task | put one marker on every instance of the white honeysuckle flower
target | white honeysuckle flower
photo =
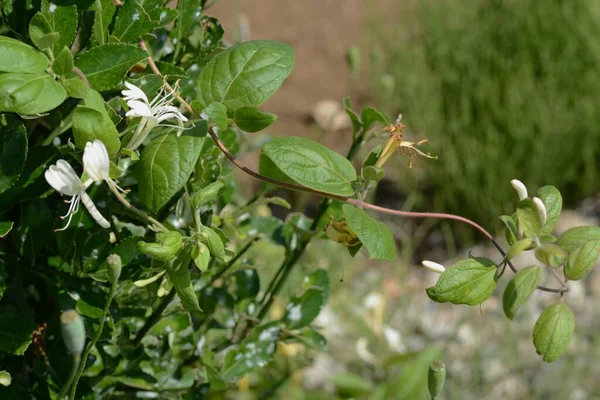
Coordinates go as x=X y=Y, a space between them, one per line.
x=97 y=163
x=541 y=209
x=520 y=188
x=64 y=179
x=152 y=113
x=394 y=339
x=433 y=266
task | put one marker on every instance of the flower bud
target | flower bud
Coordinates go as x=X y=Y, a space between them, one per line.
x=433 y=266
x=114 y=268
x=541 y=209
x=73 y=331
x=436 y=378
x=168 y=246
x=520 y=188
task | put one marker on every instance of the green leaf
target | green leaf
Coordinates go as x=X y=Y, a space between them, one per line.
x=30 y=93
x=311 y=338
x=5 y=228
x=214 y=243
x=301 y=311
x=371 y=116
x=373 y=234
x=246 y=74
x=15 y=331
x=356 y=124
x=63 y=63
x=528 y=218
x=247 y=284
x=351 y=385
x=39 y=28
x=16 y=56
x=520 y=288
x=582 y=245
x=553 y=331
x=469 y=281
x=179 y=275
x=373 y=173
x=13 y=151
x=105 y=66
x=104 y=11
x=251 y=119
x=63 y=20
x=310 y=164
x=217 y=114
x=189 y=14
x=162 y=16
x=47 y=41
x=168 y=246
x=201 y=256
x=511 y=232
x=166 y=165
x=31 y=183
x=552 y=199
x=551 y=255
x=519 y=247
x=206 y=194
x=76 y=88
x=90 y=124
x=254 y=352
x=132 y=22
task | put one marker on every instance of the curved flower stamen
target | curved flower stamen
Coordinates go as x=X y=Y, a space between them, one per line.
x=152 y=113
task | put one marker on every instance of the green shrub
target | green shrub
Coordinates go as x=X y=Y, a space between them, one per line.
x=513 y=84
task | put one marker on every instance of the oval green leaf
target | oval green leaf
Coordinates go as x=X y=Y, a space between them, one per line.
x=251 y=119
x=553 y=331
x=30 y=93
x=373 y=234
x=528 y=218
x=16 y=56
x=13 y=151
x=582 y=245
x=166 y=165
x=520 y=287
x=469 y=281
x=246 y=74
x=105 y=66
x=179 y=275
x=552 y=199
x=90 y=124
x=309 y=164
x=551 y=255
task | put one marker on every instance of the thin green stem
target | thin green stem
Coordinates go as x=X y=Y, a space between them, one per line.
x=136 y=210
x=64 y=126
x=94 y=340
x=154 y=317
x=67 y=385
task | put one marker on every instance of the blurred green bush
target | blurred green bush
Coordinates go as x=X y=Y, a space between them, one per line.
x=502 y=88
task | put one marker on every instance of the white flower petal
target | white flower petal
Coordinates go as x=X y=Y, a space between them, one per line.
x=63 y=179
x=95 y=160
x=138 y=109
x=134 y=92
x=541 y=209
x=433 y=266
x=520 y=188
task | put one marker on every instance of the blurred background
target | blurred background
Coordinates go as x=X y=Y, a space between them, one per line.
x=502 y=89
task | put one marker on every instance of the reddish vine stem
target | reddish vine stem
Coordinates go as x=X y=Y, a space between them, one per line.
x=358 y=203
